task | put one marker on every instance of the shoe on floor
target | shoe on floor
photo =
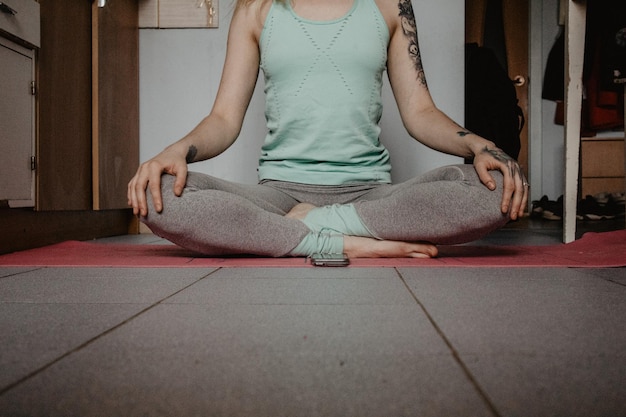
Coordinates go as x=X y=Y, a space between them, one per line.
x=553 y=210
x=591 y=209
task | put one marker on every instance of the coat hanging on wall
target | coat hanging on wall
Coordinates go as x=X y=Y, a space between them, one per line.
x=605 y=61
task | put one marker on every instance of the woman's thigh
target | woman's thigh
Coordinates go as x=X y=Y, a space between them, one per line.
x=445 y=206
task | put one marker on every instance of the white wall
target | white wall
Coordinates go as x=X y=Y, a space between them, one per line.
x=552 y=135
x=180 y=71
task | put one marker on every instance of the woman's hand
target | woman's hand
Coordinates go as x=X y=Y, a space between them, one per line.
x=148 y=176
x=515 y=187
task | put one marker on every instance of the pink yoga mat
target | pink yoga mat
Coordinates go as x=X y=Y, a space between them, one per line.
x=592 y=250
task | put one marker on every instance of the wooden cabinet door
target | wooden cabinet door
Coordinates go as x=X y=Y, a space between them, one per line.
x=17 y=125
x=88 y=104
x=115 y=101
x=64 y=144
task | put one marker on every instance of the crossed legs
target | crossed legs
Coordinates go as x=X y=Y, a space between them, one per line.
x=445 y=206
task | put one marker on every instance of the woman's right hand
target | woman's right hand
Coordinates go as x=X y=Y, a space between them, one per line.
x=148 y=177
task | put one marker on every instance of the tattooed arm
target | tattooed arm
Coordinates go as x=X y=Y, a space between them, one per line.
x=422 y=119
x=427 y=124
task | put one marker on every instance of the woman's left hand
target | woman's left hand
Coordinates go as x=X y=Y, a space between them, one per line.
x=515 y=186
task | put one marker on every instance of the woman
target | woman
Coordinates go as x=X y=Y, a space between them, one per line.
x=324 y=177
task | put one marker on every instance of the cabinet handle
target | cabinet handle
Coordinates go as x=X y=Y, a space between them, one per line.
x=5 y=8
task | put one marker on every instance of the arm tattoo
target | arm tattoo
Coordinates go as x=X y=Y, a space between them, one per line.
x=463 y=133
x=191 y=154
x=407 y=18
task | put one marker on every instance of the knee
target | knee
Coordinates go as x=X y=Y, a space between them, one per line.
x=488 y=201
x=167 y=188
x=156 y=220
x=193 y=183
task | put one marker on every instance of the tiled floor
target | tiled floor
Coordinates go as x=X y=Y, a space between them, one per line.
x=314 y=342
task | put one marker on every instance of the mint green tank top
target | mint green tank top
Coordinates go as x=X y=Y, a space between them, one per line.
x=323 y=84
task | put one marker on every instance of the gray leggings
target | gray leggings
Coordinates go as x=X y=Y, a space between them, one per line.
x=448 y=205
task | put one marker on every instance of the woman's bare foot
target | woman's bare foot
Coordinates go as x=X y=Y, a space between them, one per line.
x=365 y=247
x=299 y=211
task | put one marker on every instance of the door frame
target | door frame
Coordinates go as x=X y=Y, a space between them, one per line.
x=533 y=102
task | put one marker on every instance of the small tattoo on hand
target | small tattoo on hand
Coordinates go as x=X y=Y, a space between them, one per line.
x=191 y=154
x=463 y=133
x=500 y=155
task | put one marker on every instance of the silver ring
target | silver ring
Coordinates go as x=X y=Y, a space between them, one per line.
x=525 y=184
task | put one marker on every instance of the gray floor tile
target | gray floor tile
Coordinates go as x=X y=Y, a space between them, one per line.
x=260 y=360
x=298 y=286
x=616 y=275
x=97 y=285
x=314 y=341
x=553 y=384
x=309 y=273
x=553 y=339
x=33 y=335
x=9 y=271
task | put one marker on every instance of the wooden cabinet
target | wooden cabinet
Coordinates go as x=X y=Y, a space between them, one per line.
x=64 y=145
x=115 y=101
x=19 y=38
x=602 y=165
x=17 y=124
x=88 y=104
x=88 y=125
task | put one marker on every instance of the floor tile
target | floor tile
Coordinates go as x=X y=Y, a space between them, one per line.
x=8 y=271
x=552 y=339
x=97 y=285
x=314 y=341
x=310 y=273
x=615 y=275
x=46 y=312
x=553 y=384
x=298 y=286
x=261 y=360
x=33 y=335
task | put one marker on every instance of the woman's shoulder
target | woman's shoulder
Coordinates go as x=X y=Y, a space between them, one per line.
x=250 y=16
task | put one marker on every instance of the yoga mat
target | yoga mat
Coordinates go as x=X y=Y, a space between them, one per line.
x=592 y=250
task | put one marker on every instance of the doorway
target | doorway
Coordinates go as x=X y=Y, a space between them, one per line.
x=515 y=20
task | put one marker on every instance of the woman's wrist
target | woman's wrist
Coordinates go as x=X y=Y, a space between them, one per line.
x=479 y=144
